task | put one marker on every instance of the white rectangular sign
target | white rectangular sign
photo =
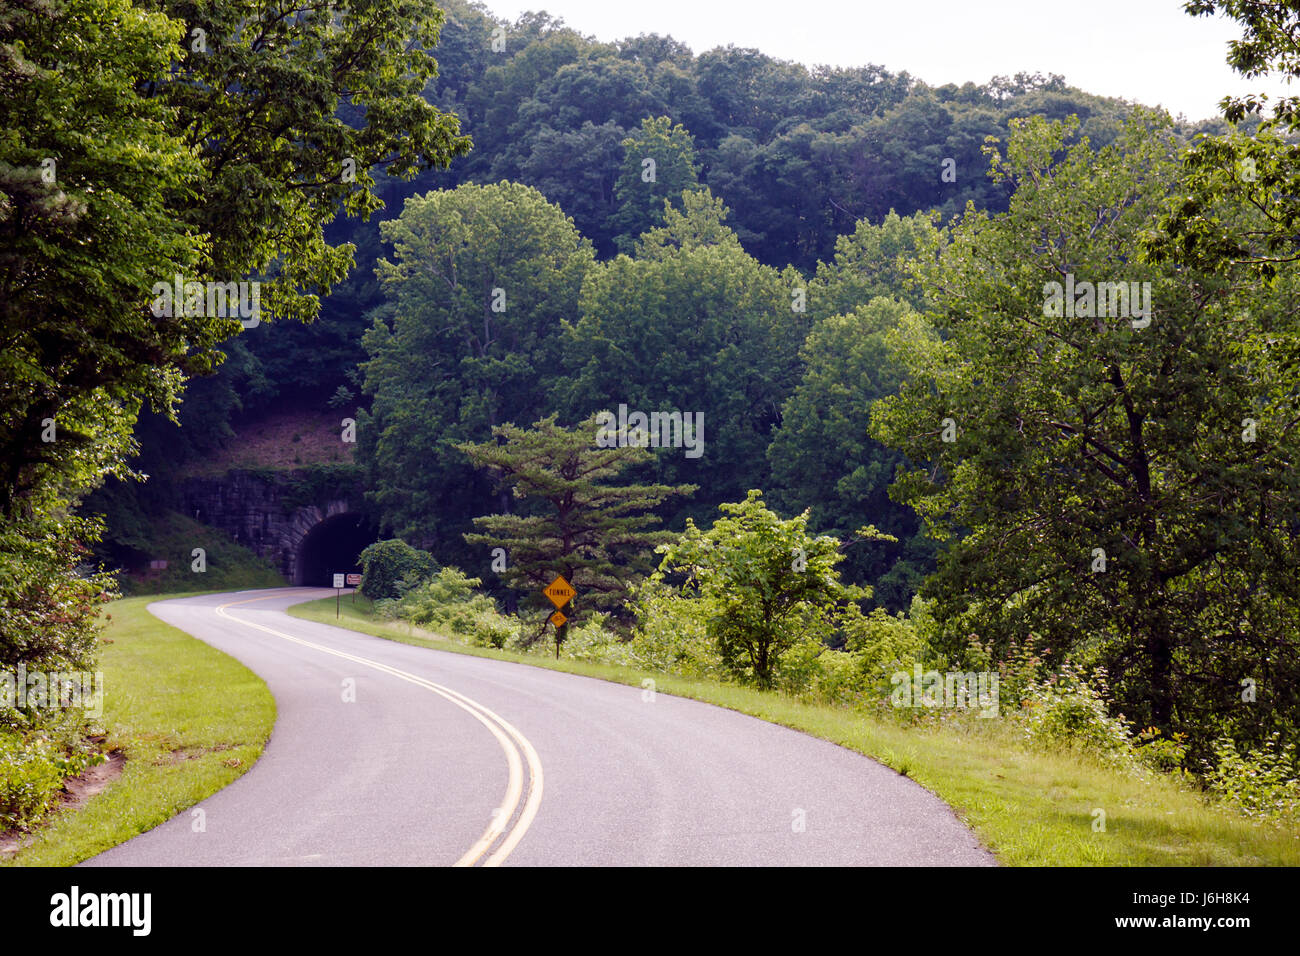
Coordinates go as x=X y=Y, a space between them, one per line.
x=338 y=581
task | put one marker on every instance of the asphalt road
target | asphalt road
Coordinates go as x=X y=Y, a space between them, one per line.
x=441 y=759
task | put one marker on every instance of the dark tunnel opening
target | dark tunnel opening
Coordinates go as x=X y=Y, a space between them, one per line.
x=331 y=546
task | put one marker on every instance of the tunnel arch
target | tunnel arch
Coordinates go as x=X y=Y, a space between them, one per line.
x=331 y=544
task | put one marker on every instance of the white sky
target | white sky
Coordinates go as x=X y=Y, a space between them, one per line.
x=1144 y=50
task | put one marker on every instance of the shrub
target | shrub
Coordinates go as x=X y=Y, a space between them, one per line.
x=30 y=779
x=1164 y=754
x=1067 y=712
x=770 y=583
x=48 y=601
x=490 y=628
x=593 y=640
x=1260 y=783
x=671 y=633
x=450 y=603
x=390 y=568
x=445 y=597
x=801 y=666
x=883 y=644
x=839 y=678
x=820 y=673
x=1022 y=670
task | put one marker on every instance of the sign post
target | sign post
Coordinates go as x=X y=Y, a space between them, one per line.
x=338 y=594
x=354 y=581
x=560 y=592
x=156 y=568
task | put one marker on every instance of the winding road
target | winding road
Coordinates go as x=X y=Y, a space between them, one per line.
x=389 y=754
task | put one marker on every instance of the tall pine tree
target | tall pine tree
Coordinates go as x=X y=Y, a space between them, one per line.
x=573 y=522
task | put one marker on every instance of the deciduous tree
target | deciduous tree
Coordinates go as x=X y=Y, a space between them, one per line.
x=770 y=583
x=481 y=279
x=1122 y=479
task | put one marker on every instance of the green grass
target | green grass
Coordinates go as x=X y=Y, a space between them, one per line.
x=229 y=565
x=1029 y=807
x=189 y=719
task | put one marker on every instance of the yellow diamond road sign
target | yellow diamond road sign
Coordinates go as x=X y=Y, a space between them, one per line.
x=558 y=618
x=559 y=591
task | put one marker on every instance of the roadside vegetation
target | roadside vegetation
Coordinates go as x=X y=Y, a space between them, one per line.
x=182 y=719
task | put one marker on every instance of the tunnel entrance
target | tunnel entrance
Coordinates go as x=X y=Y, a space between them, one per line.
x=333 y=545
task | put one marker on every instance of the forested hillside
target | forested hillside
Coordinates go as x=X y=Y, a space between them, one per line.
x=809 y=169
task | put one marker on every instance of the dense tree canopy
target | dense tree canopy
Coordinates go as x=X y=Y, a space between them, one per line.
x=1118 y=466
x=799 y=155
x=692 y=324
x=147 y=143
x=823 y=460
x=211 y=162
x=469 y=338
x=658 y=166
x=86 y=227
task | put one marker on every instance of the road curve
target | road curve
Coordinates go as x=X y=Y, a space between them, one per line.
x=390 y=754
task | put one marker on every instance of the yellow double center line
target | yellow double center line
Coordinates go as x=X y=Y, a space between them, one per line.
x=512 y=742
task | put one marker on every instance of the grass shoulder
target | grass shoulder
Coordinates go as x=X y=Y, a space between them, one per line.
x=188 y=718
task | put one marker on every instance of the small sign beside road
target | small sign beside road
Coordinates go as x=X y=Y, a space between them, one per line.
x=156 y=568
x=354 y=580
x=559 y=591
x=338 y=591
